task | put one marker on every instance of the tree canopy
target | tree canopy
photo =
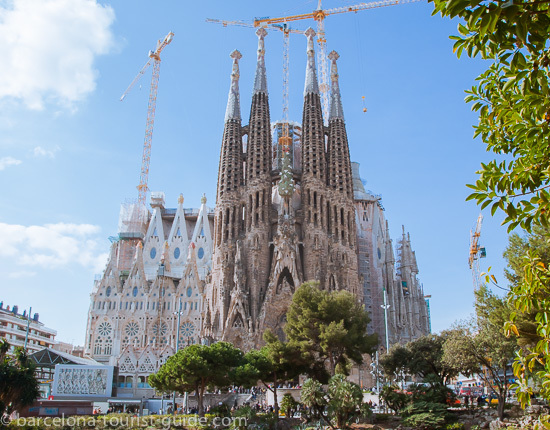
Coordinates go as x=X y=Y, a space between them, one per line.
x=329 y=326
x=18 y=384
x=422 y=357
x=196 y=367
x=481 y=347
x=342 y=402
x=275 y=362
x=511 y=97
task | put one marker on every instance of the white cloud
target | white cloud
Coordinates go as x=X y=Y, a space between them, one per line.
x=53 y=245
x=21 y=274
x=41 y=152
x=8 y=161
x=49 y=47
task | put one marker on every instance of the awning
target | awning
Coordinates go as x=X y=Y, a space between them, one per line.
x=123 y=401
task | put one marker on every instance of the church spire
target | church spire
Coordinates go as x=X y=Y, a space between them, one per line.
x=311 y=86
x=260 y=80
x=233 y=110
x=336 y=110
x=340 y=175
x=230 y=174
x=313 y=132
x=258 y=155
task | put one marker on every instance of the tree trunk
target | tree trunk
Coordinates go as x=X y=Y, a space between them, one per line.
x=275 y=402
x=332 y=364
x=502 y=395
x=200 y=392
x=500 y=408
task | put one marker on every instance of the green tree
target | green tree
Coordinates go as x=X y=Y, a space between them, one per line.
x=18 y=385
x=288 y=405
x=275 y=362
x=331 y=327
x=530 y=296
x=511 y=97
x=481 y=347
x=197 y=367
x=537 y=241
x=314 y=397
x=395 y=362
x=394 y=397
x=514 y=117
x=342 y=402
x=519 y=247
x=427 y=359
x=422 y=357
x=528 y=260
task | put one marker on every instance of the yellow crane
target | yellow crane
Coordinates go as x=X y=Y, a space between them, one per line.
x=319 y=15
x=154 y=58
x=285 y=139
x=476 y=252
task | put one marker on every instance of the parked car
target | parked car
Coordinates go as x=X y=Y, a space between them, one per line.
x=491 y=398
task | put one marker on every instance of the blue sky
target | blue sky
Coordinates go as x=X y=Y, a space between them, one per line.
x=70 y=151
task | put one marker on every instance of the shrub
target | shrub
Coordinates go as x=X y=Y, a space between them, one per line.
x=455 y=426
x=288 y=405
x=425 y=415
x=394 y=398
x=220 y=410
x=380 y=418
x=424 y=421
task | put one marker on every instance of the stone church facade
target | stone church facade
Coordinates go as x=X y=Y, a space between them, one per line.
x=291 y=207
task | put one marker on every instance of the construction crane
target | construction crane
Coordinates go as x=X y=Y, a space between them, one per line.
x=476 y=252
x=154 y=58
x=319 y=15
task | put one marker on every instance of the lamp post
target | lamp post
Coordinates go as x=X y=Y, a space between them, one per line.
x=28 y=327
x=179 y=312
x=161 y=275
x=385 y=306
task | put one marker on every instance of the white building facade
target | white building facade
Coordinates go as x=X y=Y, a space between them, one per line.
x=15 y=327
x=135 y=309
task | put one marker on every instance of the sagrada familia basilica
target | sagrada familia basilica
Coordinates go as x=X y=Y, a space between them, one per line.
x=284 y=214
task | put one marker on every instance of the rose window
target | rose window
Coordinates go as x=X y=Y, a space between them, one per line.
x=160 y=330
x=187 y=329
x=104 y=329
x=132 y=329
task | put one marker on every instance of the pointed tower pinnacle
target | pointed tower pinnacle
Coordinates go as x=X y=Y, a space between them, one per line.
x=336 y=110
x=233 y=110
x=260 y=80
x=312 y=86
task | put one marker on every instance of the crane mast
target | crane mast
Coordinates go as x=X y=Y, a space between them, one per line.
x=154 y=58
x=476 y=252
x=285 y=140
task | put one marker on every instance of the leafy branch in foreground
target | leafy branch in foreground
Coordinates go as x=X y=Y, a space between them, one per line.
x=512 y=99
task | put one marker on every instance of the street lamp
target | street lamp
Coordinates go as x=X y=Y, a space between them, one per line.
x=28 y=327
x=179 y=313
x=385 y=306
